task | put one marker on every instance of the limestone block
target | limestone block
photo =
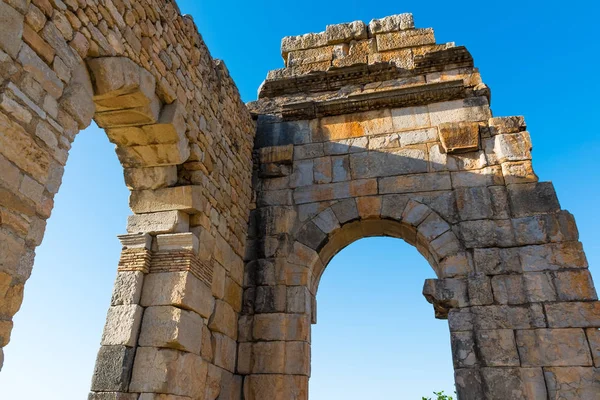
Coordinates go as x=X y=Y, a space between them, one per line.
x=270 y=299
x=355 y=53
x=518 y=172
x=168 y=371
x=150 y=178
x=224 y=351
x=445 y=294
x=463 y=349
x=115 y=76
x=298 y=300
x=470 y=109
x=539 y=287
x=487 y=233
x=347 y=32
x=77 y=98
x=372 y=164
x=574 y=285
x=345 y=210
x=224 y=319
x=432 y=227
x=573 y=314
x=469 y=384
x=532 y=198
x=406 y=38
x=307 y=41
x=497 y=348
x=186 y=241
x=410 y=118
x=184 y=198
x=113 y=369
x=276 y=154
x=297 y=358
x=213 y=382
x=513 y=147
x=488 y=176
x=159 y=222
x=179 y=289
x=275 y=387
x=154 y=155
x=572 y=383
x=508 y=289
x=553 y=347
x=508 y=317
x=480 y=290
x=458 y=137
x=310 y=56
x=40 y=71
x=446 y=245
x=291 y=327
x=502 y=125
x=127 y=288
x=369 y=207
x=303 y=173
x=415 y=183
x=142 y=115
x=11 y=29
x=326 y=221
x=514 y=383
x=392 y=23
x=474 y=203
x=593 y=336
x=171 y=327
x=122 y=325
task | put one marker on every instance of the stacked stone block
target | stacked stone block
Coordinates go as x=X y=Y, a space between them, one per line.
x=142 y=71
x=369 y=130
x=374 y=130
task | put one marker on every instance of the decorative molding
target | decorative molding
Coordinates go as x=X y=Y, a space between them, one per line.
x=361 y=74
x=395 y=98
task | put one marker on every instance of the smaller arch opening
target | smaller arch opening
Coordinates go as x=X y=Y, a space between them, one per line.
x=376 y=336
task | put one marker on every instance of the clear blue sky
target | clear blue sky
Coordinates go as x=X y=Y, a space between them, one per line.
x=540 y=60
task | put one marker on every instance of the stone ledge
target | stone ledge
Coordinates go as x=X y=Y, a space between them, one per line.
x=395 y=98
x=359 y=74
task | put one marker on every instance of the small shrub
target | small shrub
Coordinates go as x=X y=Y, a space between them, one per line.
x=439 y=396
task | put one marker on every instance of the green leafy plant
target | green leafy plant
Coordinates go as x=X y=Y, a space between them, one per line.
x=439 y=396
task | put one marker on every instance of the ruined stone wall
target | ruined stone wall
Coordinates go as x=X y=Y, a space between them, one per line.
x=376 y=130
x=184 y=138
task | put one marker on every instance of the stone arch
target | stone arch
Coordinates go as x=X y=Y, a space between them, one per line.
x=143 y=73
x=416 y=223
x=379 y=130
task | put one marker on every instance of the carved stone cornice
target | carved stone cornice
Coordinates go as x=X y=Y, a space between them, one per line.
x=394 y=98
x=362 y=74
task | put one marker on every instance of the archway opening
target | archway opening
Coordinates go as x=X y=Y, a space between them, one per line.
x=57 y=331
x=376 y=335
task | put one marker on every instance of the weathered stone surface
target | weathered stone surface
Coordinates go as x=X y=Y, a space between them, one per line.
x=459 y=137
x=11 y=29
x=159 y=222
x=497 y=348
x=171 y=327
x=402 y=39
x=573 y=314
x=572 y=383
x=340 y=33
x=184 y=198
x=113 y=369
x=127 y=288
x=514 y=383
x=179 y=289
x=392 y=23
x=553 y=347
x=168 y=371
x=122 y=325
